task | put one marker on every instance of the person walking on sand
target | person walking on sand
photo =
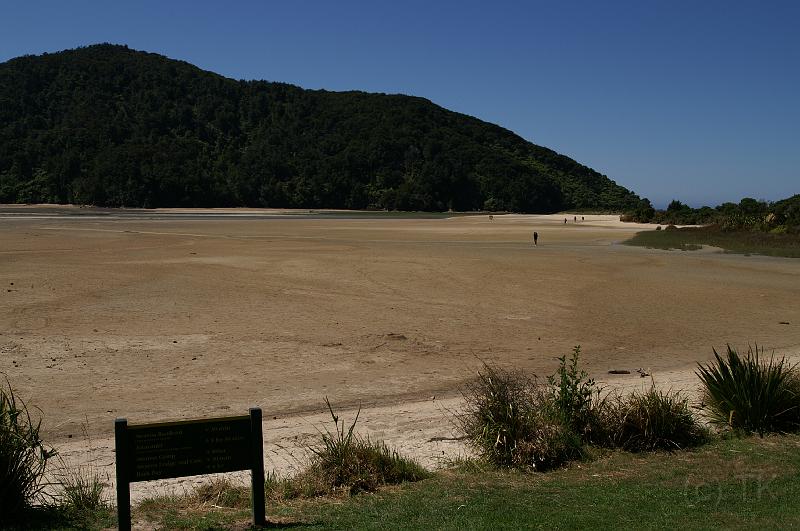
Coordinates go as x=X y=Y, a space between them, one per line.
x=565 y=221
x=535 y=238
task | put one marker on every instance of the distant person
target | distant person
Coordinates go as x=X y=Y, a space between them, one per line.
x=535 y=238
x=491 y=217
x=565 y=221
x=583 y=218
x=575 y=219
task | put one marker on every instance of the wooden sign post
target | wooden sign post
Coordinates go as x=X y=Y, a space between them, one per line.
x=147 y=452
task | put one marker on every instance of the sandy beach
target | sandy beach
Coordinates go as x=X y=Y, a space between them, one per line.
x=158 y=315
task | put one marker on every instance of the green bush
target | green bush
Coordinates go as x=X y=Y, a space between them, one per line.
x=23 y=457
x=345 y=461
x=576 y=398
x=749 y=395
x=511 y=421
x=651 y=420
x=551 y=444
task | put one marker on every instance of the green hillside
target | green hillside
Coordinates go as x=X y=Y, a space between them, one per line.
x=110 y=126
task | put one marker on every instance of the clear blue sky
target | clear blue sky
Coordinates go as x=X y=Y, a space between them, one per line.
x=694 y=100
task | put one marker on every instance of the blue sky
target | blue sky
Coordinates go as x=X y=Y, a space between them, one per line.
x=690 y=100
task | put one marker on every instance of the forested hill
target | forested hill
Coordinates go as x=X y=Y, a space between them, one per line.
x=111 y=126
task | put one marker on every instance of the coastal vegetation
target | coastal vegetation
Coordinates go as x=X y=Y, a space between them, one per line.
x=740 y=242
x=779 y=217
x=749 y=227
x=603 y=451
x=344 y=462
x=110 y=126
x=512 y=420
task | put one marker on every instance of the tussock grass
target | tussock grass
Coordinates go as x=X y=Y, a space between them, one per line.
x=222 y=493
x=83 y=489
x=345 y=461
x=652 y=420
x=749 y=394
x=23 y=457
x=499 y=412
x=512 y=421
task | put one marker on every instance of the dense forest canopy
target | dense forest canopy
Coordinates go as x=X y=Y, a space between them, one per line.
x=749 y=214
x=111 y=126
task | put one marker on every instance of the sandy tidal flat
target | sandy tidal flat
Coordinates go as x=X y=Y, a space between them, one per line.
x=166 y=315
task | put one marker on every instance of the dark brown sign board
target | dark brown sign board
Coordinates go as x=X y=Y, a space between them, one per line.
x=146 y=452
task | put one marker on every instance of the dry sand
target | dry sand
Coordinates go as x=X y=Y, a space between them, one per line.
x=174 y=314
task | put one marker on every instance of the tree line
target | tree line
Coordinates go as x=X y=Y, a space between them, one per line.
x=749 y=214
x=110 y=126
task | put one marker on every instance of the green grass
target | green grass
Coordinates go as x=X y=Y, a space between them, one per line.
x=739 y=242
x=733 y=483
x=54 y=516
x=214 y=505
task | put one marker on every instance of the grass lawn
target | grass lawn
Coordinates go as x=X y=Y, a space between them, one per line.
x=737 y=483
x=744 y=242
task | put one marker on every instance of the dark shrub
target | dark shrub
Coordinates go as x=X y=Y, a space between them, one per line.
x=551 y=444
x=23 y=457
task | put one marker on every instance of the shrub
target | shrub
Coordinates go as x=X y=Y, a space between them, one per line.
x=346 y=461
x=511 y=421
x=499 y=412
x=83 y=489
x=576 y=398
x=23 y=457
x=652 y=420
x=551 y=444
x=749 y=395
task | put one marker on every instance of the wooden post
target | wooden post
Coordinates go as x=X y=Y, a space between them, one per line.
x=123 y=481
x=257 y=456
